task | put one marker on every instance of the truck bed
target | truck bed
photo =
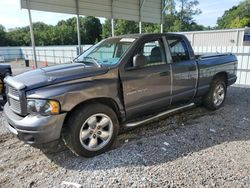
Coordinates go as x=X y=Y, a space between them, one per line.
x=211 y=55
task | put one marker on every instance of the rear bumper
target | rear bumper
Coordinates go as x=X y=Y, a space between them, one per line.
x=34 y=129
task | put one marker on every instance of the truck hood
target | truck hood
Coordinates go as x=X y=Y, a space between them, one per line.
x=54 y=74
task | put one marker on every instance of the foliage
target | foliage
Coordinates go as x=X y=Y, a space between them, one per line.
x=128 y=27
x=236 y=17
x=64 y=33
x=151 y=28
x=92 y=30
x=180 y=14
x=106 y=29
x=2 y=36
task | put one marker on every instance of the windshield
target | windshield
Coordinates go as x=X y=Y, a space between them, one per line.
x=107 y=52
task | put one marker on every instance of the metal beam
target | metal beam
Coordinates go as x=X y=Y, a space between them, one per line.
x=113 y=27
x=140 y=27
x=162 y=15
x=32 y=35
x=112 y=19
x=140 y=22
x=78 y=27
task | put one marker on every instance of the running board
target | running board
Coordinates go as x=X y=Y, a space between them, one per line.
x=134 y=124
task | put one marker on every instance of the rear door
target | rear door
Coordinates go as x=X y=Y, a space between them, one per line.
x=147 y=89
x=184 y=70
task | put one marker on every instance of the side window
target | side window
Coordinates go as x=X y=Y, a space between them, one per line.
x=178 y=49
x=154 y=52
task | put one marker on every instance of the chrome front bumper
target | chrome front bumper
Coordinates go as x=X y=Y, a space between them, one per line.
x=34 y=129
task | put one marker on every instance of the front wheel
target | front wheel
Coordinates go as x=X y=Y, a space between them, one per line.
x=91 y=130
x=217 y=94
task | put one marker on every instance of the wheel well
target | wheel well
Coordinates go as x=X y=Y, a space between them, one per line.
x=223 y=76
x=106 y=101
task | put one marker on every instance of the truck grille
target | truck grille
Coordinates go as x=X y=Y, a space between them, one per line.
x=13 y=91
x=15 y=105
x=16 y=99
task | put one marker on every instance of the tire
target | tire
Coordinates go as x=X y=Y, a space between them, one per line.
x=216 y=95
x=91 y=130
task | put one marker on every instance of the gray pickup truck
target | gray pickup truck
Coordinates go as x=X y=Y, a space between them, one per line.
x=120 y=82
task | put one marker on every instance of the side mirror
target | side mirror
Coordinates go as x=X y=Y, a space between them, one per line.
x=139 y=60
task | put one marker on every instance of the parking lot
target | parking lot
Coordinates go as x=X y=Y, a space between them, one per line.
x=196 y=148
x=19 y=66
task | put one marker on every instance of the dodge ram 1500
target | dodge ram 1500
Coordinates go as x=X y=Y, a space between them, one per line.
x=121 y=81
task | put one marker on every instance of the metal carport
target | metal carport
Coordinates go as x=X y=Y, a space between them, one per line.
x=136 y=10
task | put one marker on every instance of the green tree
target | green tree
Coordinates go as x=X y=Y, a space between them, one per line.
x=121 y=27
x=19 y=37
x=187 y=11
x=180 y=16
x=126 y=27
x=42 y=37
x=239 y=23
x=106 y=29
x=64 y=33
x=151 y=28
x=236 y=17
x=3 y=37
x=91 y=28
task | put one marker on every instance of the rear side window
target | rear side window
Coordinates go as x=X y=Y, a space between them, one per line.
x=178 y=49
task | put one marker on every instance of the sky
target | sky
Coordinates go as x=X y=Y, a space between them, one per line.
x=11 y=15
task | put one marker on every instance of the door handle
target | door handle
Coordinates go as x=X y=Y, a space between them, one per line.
x=165 y=73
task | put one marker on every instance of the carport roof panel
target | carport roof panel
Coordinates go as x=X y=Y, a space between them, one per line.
x=122 y=9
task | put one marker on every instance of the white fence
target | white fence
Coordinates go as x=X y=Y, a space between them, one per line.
x=63 y=54
x=243 y=55
x=53 y=54
x=10 y=53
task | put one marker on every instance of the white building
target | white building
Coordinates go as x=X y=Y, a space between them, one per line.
x=227 y=37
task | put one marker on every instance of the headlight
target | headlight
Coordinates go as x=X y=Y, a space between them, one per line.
x=43 y=107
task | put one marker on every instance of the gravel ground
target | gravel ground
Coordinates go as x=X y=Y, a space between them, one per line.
x=18 y=67
x=197 y=148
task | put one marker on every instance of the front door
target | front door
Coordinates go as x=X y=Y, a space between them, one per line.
x=147 y=89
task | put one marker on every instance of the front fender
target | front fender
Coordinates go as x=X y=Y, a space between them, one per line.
x=72 y=93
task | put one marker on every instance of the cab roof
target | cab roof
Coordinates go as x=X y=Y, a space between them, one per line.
x=147 y=35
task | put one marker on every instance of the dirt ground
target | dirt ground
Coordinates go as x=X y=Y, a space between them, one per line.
x=196 y=148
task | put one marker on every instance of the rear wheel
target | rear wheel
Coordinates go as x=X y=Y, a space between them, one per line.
x=217 y=94
x=91 y=130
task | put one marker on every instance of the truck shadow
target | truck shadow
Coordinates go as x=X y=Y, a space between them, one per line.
x=169 y=139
